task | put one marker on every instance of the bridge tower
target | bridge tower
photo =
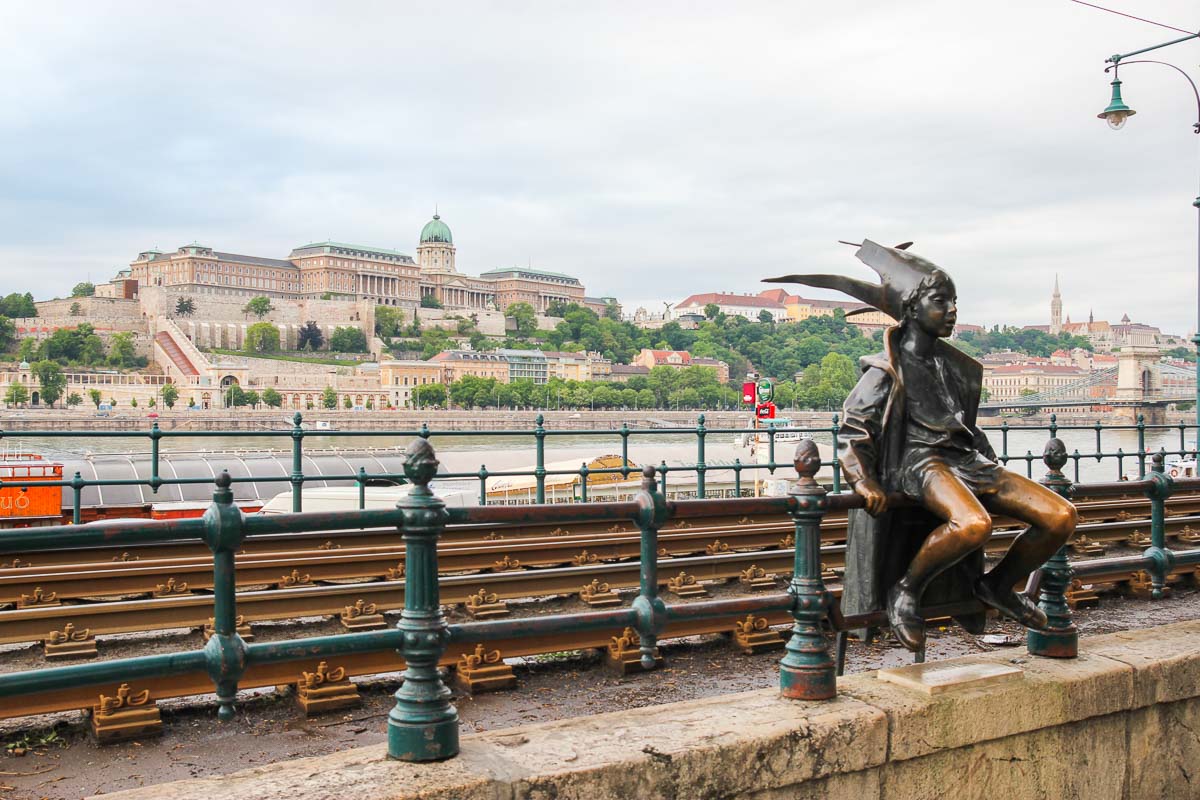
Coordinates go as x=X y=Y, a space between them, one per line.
x=1139 y=378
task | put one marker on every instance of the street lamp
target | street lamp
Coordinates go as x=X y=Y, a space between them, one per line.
x=1116 y=114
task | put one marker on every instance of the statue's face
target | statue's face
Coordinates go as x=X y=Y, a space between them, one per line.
x=936 y=310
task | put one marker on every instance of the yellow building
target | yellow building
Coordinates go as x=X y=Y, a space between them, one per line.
x=569 y=366
x=456 y=364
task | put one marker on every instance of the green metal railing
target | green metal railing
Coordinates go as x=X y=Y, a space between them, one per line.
x=423 y=725
x=702 y=467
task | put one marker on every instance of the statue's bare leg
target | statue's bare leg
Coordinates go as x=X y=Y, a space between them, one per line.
x=966 y=528
x=1051 y=521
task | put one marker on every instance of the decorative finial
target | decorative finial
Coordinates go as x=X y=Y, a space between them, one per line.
x=224 y=480
x=1055 y=456
x=648 y=478
x=807 y=461
x=420 y=463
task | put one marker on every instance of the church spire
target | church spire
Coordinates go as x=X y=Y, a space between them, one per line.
x=1056 y=310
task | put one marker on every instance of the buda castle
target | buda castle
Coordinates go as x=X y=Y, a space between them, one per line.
x=335 y=270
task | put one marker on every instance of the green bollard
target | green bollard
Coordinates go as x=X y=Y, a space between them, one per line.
x=807 y=672
x=423 y=725
x=1062 y=640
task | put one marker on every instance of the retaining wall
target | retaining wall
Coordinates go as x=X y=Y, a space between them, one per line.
x=1122 y=721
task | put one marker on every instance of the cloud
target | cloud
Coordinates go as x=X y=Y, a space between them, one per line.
x=653 y=151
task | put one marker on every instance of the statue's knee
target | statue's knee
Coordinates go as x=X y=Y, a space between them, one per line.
x=1063 y=519
x=975 y=529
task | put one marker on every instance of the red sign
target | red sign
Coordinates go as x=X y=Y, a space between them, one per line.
x=765 y=411
x=748 y=392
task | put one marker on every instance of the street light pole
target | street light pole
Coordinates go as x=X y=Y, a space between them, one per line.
x=1116 y=114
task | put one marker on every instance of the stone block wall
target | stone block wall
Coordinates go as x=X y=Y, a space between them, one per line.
x=1121 y=722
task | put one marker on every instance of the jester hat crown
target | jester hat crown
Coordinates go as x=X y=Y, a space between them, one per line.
x=900 y=274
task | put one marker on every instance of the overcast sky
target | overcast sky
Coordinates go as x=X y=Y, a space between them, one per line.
x=651 y=149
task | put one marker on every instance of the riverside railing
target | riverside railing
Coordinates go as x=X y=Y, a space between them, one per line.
x=423 y=725
x=770 y=437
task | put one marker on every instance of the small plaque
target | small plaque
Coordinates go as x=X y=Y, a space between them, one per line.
x=936 y=678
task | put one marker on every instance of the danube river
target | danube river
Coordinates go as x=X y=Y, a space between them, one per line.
x=468 y=452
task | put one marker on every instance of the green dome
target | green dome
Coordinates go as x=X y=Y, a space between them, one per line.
x=436 y=231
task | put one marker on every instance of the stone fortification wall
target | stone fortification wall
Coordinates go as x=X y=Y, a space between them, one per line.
x=220 y=321
x=1118 y=723
x=489 y=323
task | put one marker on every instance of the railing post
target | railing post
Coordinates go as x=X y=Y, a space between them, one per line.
x=1099 y=446
x=1141 y=434
x=361 y=483
x=297 y=477
x=1162 y=560
x=539 y=471
x=155 y=435
x=837 y=465
x=807 y=672
x=662 y=470
x=483 y=476
x=1004 y=442
x=737 y=477
x=77 y=485
x=583 y=482
x=225 y=653
x=700 y=467
x=624 y=450
x=651 y=611
x=423 y=725
x=1062 y=638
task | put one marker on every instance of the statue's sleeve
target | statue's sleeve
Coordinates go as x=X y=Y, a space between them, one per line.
x=862 y=426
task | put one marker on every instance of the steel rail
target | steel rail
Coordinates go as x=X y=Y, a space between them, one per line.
x=181 y=576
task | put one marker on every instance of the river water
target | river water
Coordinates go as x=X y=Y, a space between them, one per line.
x=468 y=452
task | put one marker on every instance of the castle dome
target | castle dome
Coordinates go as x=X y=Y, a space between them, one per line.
x=436 y=231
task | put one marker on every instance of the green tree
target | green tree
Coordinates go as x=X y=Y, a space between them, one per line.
x=16 y=395
x=346 y=403
x=15 y=306
x=348 y=339
x=524 y=317
x=252 y=398
x=429 y=301
x=169 y=395
x=133 y=403
x=556 y=308
x=152 y=403
x=329 y=398
x=8 y=334
x=121 y=350
x=711 y=310
x=272 y=398
x=95 y=396
x=258 y=306
x=235 y=396
x=310 y=336
x=388 y=320
x=28 y=349
x=185 y=307
x=51 y=379
x=612 y=311
x=73 y=399
x=765 y=317
x=262 y=337
x=83 y=289
x=76 y=310
x=429 y=394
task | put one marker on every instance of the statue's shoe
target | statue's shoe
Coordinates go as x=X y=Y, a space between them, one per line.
x=1012 y=604
x=904 y=617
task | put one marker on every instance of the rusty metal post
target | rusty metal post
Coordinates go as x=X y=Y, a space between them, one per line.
x=225 y=653
x=1062 y=638
x=651 y=611
x=807 y=672
x=423 y=725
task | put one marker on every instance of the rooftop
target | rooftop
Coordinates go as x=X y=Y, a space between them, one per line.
x=342 y=246
x=527 y=272
x=722 y=299
x=253 y=260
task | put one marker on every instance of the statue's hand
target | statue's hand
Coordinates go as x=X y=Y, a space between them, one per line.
x=870 y=491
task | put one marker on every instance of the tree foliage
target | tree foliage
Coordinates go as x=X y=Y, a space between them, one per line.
x=1030 y=341
x=311 y=336
x=83 y=289
x=262 y=337
x=388 y=321
x=329 y=398
x=348 y=339
x=73 y=399
x=185 y=307
x=121 y=350
x=169 y=395
x=272 y=398
x=18 y=305
x=524 y=317
x=95 y=396
x=16 y=394
x=429 y=301
x=258 y=306
x=51 y=381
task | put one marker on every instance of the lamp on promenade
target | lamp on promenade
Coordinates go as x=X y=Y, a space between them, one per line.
x=1116 y=114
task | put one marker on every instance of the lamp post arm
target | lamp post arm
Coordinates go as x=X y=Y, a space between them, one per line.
x=1188 y=78
x=1115 y=59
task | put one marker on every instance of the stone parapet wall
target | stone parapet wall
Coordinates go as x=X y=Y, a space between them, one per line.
x=1121 y=722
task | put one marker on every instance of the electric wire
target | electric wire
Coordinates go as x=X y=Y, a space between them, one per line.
x=1131 y=16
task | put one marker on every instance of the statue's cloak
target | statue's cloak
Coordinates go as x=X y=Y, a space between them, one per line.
x=871 y=443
